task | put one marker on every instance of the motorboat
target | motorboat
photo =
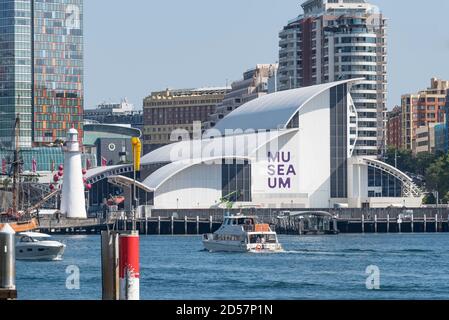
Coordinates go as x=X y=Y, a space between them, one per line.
x=242 y=234
x=38 y=246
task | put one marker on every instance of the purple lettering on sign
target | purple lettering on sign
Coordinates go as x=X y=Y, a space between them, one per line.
x=280 y=170
x=271 y=170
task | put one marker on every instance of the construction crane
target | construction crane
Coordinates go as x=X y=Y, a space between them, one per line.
x=227 y=200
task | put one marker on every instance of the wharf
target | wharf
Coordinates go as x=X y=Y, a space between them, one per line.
x=7 y=294
x=146 y=226
x=193 y=222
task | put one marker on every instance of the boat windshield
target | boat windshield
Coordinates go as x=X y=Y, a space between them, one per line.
x=262 y=238
x=28 y=239
x=239 y=222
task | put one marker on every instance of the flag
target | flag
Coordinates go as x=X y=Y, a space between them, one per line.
x=104 y=162
x=34 y=165
x=88 y=164
x=3 y=166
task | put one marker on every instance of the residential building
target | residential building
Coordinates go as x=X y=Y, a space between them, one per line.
x=255 y=83
x=421 y=109
x=394 y=128
x=335 y=40
x=105 y=109
x=41 y=82
x=425 y=139
x=170 y=110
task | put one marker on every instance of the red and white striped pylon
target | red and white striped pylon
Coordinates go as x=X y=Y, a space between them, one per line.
x=129 y=268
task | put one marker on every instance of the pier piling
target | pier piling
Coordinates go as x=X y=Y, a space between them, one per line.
x=425 y=223
x=375 y=223
x=110 y=265
x=363 y=223
x=388 y=223
x=146 y=226
x=211 y=224
x=7 y=264
x=197 y=225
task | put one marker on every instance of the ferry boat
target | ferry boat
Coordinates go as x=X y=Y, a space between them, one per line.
x=242 y=234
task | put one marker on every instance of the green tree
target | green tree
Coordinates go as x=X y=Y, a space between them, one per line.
x=437 y=176
x=446 y=198
x=403 y=158
x=429 y=199
x=423 y=161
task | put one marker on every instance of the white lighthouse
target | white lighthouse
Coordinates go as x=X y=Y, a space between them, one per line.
x=73 y=202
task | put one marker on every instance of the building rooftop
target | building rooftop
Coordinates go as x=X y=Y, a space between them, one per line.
x=176 y=93
x=273 y=111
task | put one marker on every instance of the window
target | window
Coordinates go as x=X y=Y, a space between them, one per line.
x=391 y=187
x=236 y=180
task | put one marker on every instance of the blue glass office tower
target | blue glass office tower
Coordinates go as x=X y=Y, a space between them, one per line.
x=41 y=70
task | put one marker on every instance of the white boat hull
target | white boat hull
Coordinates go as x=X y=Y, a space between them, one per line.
x=224 y=246
x=230 y=246
x=40 y=251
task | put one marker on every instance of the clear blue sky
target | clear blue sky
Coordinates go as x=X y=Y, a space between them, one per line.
x=134 y=47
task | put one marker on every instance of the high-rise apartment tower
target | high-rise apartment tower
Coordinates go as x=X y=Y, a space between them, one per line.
x=336 y=40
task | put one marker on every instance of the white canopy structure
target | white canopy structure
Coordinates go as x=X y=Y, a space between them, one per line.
x=290 y=149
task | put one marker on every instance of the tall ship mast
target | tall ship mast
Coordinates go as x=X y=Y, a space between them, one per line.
x=25 y=220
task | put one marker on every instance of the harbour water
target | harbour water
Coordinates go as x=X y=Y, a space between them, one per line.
x=412 y=266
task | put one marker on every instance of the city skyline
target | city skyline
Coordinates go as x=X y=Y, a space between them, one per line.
x=225 y=50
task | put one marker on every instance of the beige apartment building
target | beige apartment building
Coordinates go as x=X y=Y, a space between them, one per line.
x=425 y=139
x=255 y=84
x=170 y=110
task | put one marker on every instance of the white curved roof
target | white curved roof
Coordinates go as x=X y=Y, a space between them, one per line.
x=411 y=189
x=273 y=111
x=182 y=155
x=165 y=173
x=234 y=147
x=230 y=146
x=99 y=170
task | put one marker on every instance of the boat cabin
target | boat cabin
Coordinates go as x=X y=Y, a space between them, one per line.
x=249 y=224
x=239 y=221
